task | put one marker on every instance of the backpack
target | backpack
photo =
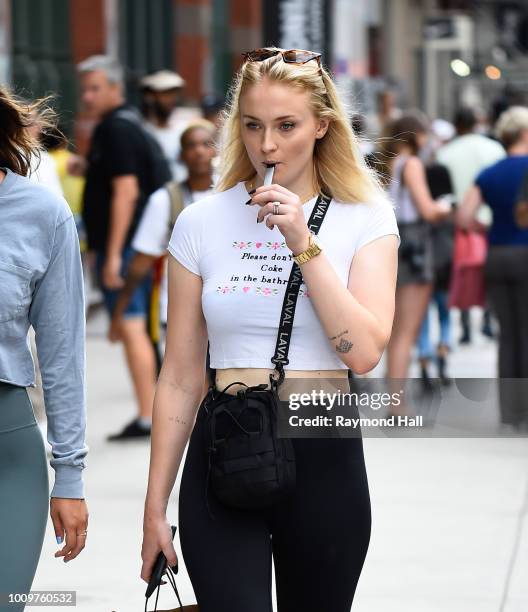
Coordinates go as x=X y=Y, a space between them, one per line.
x=177 y=201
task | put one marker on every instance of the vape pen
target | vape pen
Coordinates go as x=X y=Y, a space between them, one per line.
x=268 y=177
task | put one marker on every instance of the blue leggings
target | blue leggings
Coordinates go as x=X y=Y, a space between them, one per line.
x=24 y=493
x=318 y=536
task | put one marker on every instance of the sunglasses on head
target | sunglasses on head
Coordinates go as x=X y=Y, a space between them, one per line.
x=291 y=56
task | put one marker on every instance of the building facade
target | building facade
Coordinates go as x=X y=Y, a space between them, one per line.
x=370 y=46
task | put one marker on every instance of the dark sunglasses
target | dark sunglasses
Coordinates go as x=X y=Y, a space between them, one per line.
x=292 y=56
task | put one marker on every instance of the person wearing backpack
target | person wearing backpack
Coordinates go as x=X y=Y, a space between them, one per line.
x=162 y=209
x=125 y=164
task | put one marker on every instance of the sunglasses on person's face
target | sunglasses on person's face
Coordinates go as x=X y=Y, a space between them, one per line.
x=292 y=56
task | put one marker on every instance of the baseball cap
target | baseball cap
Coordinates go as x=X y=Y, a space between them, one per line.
x=162 y=80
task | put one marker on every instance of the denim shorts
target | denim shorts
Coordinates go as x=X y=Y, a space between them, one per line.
x=139 y=303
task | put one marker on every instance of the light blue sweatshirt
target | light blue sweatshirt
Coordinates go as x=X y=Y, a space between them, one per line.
x=41 y=284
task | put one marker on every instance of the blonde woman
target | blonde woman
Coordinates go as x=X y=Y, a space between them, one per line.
x=228 y=268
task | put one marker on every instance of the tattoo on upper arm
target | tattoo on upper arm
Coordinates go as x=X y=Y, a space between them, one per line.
x=344 y=345
x=339 y=334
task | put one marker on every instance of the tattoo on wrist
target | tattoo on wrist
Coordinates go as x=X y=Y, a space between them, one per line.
x=340 y=334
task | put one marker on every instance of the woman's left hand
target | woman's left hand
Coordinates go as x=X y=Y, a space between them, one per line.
x=290 y=220
x=70 y=517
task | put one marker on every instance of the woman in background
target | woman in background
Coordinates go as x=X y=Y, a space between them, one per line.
x=506 y=266
x=405 y=176
x=40 y=285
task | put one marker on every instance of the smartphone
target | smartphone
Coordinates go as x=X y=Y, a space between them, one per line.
x=159 y=568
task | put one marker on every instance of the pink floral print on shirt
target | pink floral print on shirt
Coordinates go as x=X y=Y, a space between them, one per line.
x=266 y=291
x=241 y=244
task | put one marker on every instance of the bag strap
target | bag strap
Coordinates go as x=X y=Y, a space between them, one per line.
x=170 y=577
x=176 y=201
x=129 y=114
x=282 y=346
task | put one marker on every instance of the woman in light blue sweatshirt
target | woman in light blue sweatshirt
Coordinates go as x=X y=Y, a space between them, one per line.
x=40 y=285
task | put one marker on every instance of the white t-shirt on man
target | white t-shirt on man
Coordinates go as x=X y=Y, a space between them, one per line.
x=465 y=157
x=153 y=232
x=245 y=268
x=169 y=140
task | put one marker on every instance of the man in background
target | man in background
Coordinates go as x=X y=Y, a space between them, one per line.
x=163 y=207
x=161 y=212
x=123 y=167
x=161 y=95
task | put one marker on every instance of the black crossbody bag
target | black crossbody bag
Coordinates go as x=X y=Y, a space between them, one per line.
x=249 y=466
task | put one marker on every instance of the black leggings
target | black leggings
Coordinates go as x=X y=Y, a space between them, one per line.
x=318 y=536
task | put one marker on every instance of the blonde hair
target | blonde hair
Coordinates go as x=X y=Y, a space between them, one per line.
x=339 y=167
x=511 y=124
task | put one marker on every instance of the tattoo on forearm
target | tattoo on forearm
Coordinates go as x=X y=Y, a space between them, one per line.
x=340 y=334
x=177 y=420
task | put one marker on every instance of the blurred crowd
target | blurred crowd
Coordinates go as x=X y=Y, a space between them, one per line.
x=460 y=193
x=459 y=186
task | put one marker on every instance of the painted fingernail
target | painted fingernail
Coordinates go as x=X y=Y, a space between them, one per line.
x=250 y=201
x=252 y=191
x=59 y=539
x=258 y=220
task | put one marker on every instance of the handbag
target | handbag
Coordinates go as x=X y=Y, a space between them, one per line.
x=249 y=466
x=470 y=249
x=413 y=250
x=467 y=287
x=520 y=212
x=170 y=577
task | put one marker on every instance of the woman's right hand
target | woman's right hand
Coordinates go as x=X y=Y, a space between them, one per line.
x=157 y=536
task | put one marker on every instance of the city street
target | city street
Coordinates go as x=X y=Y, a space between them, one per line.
x=450 y=516
x=412 y=117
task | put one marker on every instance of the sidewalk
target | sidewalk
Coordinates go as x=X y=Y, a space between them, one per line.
x=450 y=516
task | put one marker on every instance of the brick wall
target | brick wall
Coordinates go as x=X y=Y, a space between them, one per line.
x=192 y=48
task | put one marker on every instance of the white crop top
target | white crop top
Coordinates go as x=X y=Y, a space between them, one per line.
x=245 y=268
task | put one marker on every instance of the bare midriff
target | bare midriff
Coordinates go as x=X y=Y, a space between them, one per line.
x=298 y=381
